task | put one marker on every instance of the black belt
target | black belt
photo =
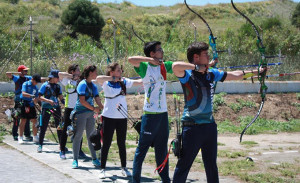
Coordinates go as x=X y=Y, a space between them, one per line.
x=188 y=123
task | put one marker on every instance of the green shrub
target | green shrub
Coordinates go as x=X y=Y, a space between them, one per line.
x=247 y=30
x=270 y=23
x=218 y=100
x=295 y=19
x=54 y=2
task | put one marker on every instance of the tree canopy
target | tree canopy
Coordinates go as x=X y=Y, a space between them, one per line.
x=84 y=17
x=296 y=16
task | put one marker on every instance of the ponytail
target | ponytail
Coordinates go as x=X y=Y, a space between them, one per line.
x=86 y=72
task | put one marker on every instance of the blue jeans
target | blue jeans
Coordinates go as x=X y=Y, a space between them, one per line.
x=193 y=138
x=154 y=129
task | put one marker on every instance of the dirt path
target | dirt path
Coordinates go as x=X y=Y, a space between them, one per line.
x=265 y=141
x=272 y=148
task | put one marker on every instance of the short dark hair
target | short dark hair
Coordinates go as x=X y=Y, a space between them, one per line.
x=196 y=48
x=37 y=78
x=150 y=46
x=72 y=67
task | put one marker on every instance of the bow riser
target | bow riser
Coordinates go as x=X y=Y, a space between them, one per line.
x=213 y=45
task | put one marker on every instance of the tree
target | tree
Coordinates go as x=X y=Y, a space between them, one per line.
x=84 y=17
x=296 y=16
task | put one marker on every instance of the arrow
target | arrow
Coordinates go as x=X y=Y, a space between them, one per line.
x=242 y=66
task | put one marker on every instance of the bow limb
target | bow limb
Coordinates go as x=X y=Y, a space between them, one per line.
x=137 y=34
x=254 y=119
x=262 y=64
x=212 y=39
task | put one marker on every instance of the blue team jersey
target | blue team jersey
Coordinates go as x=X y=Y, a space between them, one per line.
x=30 y=89
x=50 y=91
x=198 y=95
x=18 y=80
x=90 y=91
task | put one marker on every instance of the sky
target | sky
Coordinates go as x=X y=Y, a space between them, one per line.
x=173 y=2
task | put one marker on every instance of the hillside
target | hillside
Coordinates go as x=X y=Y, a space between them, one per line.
x=171 y=25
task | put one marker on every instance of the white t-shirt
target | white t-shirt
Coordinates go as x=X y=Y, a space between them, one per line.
x=154 y=86
x=70 y=88
x=111 y=89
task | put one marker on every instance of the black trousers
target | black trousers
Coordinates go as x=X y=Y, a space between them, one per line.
x=109 y=126
x=194 y=138
x=67 y=122
x=46 y=114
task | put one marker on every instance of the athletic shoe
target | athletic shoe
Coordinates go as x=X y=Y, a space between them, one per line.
x=40 y=149
x=96 y=162
x=15 y=138
x=75 y=164
x=36 y=139
x=126 y=172
x=82 y=155
x=66 y=149
x=20 y=140
x=28 y=138
x=62 y=155
x=102 y=174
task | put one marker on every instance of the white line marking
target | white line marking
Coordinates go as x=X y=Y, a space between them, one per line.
x=270 y=152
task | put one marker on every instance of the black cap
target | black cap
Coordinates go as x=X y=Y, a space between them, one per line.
x=53 y=74
x=37 y=78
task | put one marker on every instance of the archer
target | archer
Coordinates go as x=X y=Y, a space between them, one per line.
x=199 y=127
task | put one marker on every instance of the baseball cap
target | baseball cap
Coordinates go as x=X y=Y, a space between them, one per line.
x=22 y=67
x=37 y=78
x=53 y=74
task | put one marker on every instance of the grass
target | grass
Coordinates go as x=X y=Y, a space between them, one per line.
x=131 y=136
x=249 y=144
x=3 y=132
x=260 y=126
x=236 y=107
x=296 y=104
x=221 y=144
x=231 y=155
x=8 y=94
x=236 y=167
x=218 y=100
x=261 y=177
x=298 y=96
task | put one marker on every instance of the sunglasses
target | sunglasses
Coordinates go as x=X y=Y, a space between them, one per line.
x=159 y=49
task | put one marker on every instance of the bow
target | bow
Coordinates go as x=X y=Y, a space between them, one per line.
x=99 y=44
x=261 y=76
x=137 y=34
x=212 y=39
